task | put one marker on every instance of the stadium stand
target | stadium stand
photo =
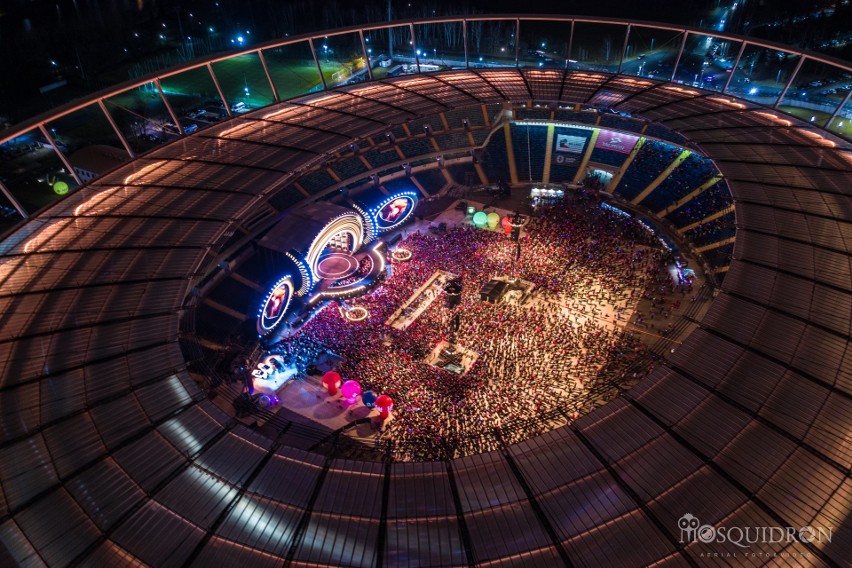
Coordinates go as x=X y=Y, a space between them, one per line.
x=712 y=231
x=399 y=184
x=711 y=200
x=616 y=122
x=689 y=175
x=663 y=133
x=348 y=167
x=608 y=157
x=285 y=198
x=452 y=141
x=495 y=158
x=564 y=115
x=532 y=114
x=459 y=173
x=431 y=180
x=417 y=146
x=381 y=157
x=473 y=115
x=316 y=181
x=720 y=256
x=565 y=171
x=479 y=137
x=417 y=125
x=651 y=160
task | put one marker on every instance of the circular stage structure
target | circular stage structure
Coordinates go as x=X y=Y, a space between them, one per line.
x=336 y=265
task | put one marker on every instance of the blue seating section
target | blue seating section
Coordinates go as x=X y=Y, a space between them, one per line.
x=689 y=175
x=400 y=184
x=235 y=295
x=213 y=325
x=479 y=137
x=495 y=158
x=414 y=147
x=621 y=123
x=570 y=162
x=532 y=114
x=713 y=199
x=529 y=144
x=416 y=125
x=652 y=159
x=719 y=256
x=358 y=182
x=285 y=198
x=473 y=114
x=658 y=131
x=316 y=181
x=459 y=173
x=431 y=180
x=581 y=117
x=607 y=157
x=380 y=157
x=493 y=111
x=379 y=140
x=348 y=167
x=453 y=140
x=713 y=231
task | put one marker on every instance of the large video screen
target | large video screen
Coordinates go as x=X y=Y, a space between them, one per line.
x=275 y=305
x=394 y=210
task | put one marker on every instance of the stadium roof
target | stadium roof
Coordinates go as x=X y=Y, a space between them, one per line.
x=111 y=454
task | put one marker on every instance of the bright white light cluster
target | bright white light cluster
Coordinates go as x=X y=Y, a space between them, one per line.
x=370 y=229
x=303 y=271
x=344 y=223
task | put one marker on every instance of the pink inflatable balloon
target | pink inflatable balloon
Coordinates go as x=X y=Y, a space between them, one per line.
x=350 y=391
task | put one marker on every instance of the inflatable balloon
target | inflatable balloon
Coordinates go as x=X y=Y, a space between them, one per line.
x=331 y=381
x=506 y=224
x=350 y=391
x=60 y=188
x=384 y=404
x=492 y=219
x=369 y=398
x=480 y=218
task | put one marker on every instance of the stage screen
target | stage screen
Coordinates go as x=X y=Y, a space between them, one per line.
x=572 y=144
x=394 y=210
x=275 y=305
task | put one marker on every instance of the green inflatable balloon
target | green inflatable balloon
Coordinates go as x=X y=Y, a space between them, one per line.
x=60 y=188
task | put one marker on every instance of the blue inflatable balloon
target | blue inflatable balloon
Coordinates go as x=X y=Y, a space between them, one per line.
x=369 y=398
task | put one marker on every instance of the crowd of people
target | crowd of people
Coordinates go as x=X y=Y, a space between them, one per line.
x=541 y=362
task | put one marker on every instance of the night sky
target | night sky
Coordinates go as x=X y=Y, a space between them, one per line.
x=93 y=44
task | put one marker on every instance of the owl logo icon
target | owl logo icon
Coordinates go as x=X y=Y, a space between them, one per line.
x=688 y=525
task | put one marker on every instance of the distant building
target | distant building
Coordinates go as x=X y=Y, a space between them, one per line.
x=95 y=160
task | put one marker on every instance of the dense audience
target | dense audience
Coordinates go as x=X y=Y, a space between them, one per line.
x=540 y=362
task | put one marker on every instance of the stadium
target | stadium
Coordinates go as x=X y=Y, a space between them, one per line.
x=185 y=253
